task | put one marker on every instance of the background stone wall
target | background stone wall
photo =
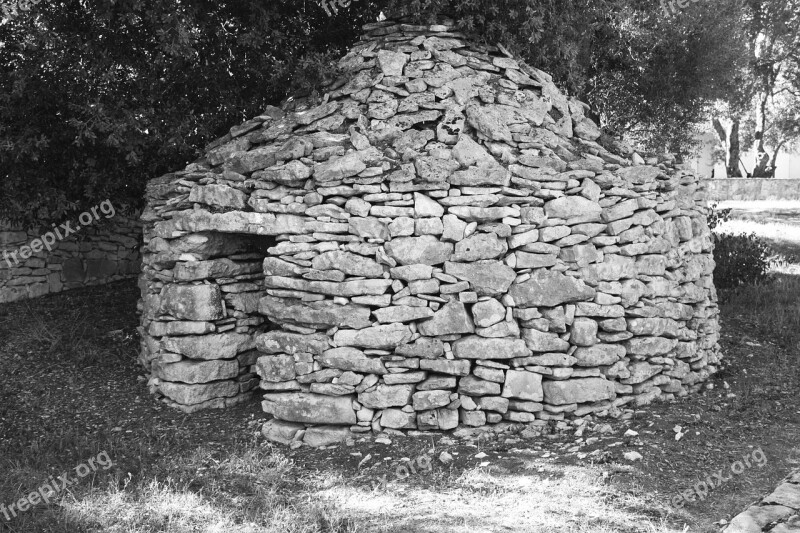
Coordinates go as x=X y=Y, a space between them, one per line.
x=753 y=189
x=98 y=254
x=445 y=239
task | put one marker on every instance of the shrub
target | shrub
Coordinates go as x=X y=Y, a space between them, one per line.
x=717 y=216
x=742 y=259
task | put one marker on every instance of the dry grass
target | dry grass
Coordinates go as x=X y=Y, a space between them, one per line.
x=254 y=488
x=539 y=497
x=773 y=308
x=780 y=226
x=243 y=492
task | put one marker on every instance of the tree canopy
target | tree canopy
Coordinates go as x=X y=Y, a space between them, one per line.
x=97 y=97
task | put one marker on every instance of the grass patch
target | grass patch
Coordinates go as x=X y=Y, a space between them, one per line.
x=772 y=308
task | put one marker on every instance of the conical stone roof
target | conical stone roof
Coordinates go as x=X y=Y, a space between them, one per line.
x=443 y=238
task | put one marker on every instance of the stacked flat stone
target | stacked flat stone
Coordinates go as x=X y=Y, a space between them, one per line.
x=446 y=239
x=779 y=512
x=97 y=255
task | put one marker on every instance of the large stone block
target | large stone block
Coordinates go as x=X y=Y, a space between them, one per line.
x=650 y=346
x=578 y=391
x=488 y=313
x=369 y=228
x=213 y=268
x=280 y=431
x=74 y=271
x=384 y=337
x=324 y=314
x=599 y=354
x=363 y=287
x=472 y=386
x=339 y=168
x=474 y=347
x=186 y=394
x=451 y=319
x=402 y=313
x=387 y=396
x=541 y=341
x=523 y=385
x=192 y=302
x=445 y=366
x=426 y=250
x=478 y=247
x=218 y=196
x=207 y=347
x=441 y=419
x=574 y=208
x=349 y=263
x=426 y=400
x=325 y=436
x=423 y=347
x=275 y=368
x=351 y=359
x=291 y=343
x=398 y=419
x=308 y=408
x=549 y=289
x=487 y=278
x=197 y=371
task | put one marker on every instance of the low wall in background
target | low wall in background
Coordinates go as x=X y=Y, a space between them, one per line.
x=96 y=254
x=757 y=189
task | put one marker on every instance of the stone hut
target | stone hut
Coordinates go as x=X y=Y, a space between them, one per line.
x=444 y=238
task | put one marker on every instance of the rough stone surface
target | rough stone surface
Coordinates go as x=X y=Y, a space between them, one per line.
x=426 y=250
x=351 y=359
x=549 y=289
x=387 y=396
x=280 y=431
x=325 y=436
x=777 y=511
x=105 y=253
x=577 y=391
x=523 y=385
x=310 y=408
x=451 y=319
x=443 y=237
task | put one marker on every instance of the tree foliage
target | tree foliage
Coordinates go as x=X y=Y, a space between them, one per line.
x=97 y=96
x=647 y=72
x=764 y=106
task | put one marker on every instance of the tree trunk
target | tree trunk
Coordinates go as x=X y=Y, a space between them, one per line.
x=773 y=164
x=761 y=155
x=733 y=151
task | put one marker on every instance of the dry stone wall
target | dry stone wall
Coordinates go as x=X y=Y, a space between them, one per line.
x=753 y=190
x=98 y=255
x=444 y=239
